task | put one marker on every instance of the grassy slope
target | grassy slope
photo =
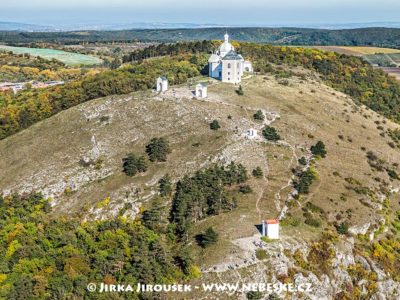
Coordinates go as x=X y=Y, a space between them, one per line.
x=47 y=155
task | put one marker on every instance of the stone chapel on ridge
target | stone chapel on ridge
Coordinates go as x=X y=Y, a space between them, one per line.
x=227 y=65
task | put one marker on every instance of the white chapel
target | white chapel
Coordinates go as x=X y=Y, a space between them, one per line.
x=227 y=65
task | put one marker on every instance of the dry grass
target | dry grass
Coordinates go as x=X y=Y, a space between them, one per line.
x=47 y=155
x=357 y=51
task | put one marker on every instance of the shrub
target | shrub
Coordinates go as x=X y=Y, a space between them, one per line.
x=392 y=174
x=261 y=254
x=254 y=295
x=240 y=91
x=245 y=189
x=306 y=178
x=318 y=149
x=313 y=222
x=342 y=228
x=133 y=164
x=290 y=221
x=259 y=115
x=214 y=125
x=207 y=238
x=303 y=161
x=270 y=133
x=158 y=149
x=258 y=173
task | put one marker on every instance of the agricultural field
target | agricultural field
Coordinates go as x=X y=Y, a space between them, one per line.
x=68 y=58
x=393 y=71
x=358 y=51
x=384 y=60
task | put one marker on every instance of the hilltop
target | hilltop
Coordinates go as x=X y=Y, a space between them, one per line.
x=75 y=157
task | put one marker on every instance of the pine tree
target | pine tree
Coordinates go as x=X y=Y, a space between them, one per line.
x=158 y=149
x=258 y=173
x=165 y=186
x=259 y=115
x=271 y=134
x=319 y=149
x=208 y=238
x=214 y=125
x=133 y=164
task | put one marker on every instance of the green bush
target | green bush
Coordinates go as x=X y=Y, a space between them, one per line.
x=158 y=149
x=207 y=238
x=245 y=189
x=214 y=125
x=313 y=222
x=304 y=181
x=133 y=164
x=270 y=133
x=261 y=254
x=318 y=149
x=254 y=295
x=258 y=173
x=303 y=161
x=259 y=115
x=290 y=221
x=240 y=91
x=342 y=228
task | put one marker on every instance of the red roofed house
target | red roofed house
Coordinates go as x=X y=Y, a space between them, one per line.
x=270 y=228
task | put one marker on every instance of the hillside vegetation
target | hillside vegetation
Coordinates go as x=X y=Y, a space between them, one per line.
x=348 y=74
x=76 y=157
x=23 y=67
x=28 y=107
x=104 y=180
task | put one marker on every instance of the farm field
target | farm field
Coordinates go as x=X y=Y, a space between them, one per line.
x=69 y=58
x=358 y=51
x=384 y=60
x=393 y=71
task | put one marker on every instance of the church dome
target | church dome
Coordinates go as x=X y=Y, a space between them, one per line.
x=225 y=47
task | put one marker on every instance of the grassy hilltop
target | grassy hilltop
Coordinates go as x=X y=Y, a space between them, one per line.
x=105 y=180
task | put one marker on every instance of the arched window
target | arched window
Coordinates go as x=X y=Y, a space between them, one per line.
x=229 y=66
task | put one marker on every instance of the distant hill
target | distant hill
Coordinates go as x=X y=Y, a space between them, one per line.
x=380 y=37
x=14 y=26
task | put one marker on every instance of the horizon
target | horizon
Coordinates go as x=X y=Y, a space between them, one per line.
x=26 y=26
x=256 y=13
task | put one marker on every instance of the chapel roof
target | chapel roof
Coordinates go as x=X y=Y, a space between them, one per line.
x=214 y=58
x=232 y=55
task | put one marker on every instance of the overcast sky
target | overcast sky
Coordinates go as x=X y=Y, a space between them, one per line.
x=230 y=12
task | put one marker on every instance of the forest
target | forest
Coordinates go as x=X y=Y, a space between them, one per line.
x=47 y=258
x=380 y=37
x=44 y=257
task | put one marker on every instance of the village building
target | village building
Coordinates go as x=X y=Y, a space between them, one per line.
x=270 y=229
x=162 y=84
x=227 y=65
x=201 y=90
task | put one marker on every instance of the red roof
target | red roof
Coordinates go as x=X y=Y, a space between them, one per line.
x=272 y=221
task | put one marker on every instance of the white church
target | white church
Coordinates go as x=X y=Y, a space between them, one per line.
x=227 y=65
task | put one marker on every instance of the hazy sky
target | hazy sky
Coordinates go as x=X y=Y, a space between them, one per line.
x=231 y=12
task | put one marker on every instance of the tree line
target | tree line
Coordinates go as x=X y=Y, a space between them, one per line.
x=46 y=258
